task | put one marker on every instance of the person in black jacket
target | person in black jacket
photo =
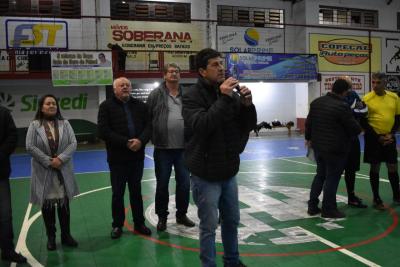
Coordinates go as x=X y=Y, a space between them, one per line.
x=217 y=126
x=123 y=125
x=330 y=126
x=8 y=142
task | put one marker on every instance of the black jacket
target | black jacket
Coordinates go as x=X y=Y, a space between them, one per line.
x=216 y=129
x=113 y=128
x=330 y=125
x=8 y=142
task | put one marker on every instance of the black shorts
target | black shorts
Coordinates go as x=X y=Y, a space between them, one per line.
x=374 y=152
x=353 y=160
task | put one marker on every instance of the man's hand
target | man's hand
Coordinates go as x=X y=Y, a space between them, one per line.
x=228 y=85
x=134 y=144
x=245 y=96
x=307 y=143
x=56 y=163
x=386 y=139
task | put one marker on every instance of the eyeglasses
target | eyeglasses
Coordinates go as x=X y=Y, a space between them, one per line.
x=173 y=71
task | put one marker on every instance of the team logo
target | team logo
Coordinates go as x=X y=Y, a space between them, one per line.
x=251 y=36
x=7 y=101
x=282 y=204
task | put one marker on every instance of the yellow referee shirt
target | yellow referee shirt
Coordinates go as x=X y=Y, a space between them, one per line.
x=382 y=110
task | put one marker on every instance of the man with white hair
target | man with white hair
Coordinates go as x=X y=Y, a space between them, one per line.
x=124 y=126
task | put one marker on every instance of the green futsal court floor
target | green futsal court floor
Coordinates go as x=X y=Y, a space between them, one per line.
x=275 y=229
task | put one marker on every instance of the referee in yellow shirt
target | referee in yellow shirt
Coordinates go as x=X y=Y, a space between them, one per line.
x=380 y=127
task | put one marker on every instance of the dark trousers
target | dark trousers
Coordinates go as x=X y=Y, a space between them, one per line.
x=120 y=174
x=6 y=227
x=164 y=159
x=329 y=170
x=49 y=217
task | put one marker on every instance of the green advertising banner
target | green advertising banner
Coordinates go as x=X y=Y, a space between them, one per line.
x=81 y=68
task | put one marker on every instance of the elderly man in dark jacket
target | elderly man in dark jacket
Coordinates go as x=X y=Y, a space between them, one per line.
x=218 y=123
x=123 y=124
x=330 y=126
x=8 y=142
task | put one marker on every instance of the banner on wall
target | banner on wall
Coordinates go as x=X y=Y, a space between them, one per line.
x=343 y=53
x=393 y=83
x=250 y=40
x=391 y=55
x=74 y=104
x=287 y=67
x=44 y=33
x=81 y=68
x=160 y=36
x=358 y=83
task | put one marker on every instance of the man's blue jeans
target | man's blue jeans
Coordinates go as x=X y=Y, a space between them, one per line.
x=329 y=171
x=164 y=159
x=216 y=200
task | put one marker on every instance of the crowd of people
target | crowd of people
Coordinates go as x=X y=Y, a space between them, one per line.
x=332 y=128
x=199 y=132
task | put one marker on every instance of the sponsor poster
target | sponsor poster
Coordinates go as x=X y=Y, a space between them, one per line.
x=393 y=83
x=358 y=83
x=345 y=53
x=81 y=68
x=29 y=33
x=159 y=36
x=287 y=67
x=250 y=40
x=22 y=101
x=391 y=55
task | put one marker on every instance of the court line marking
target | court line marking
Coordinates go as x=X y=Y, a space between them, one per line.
x=363 y=176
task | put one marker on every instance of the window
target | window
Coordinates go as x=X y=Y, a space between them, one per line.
x=157 y=11
x=348 y=16
x=53 y=8
x=245 y=16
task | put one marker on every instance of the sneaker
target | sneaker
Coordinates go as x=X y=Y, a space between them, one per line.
x=142 y=229
x=162 y=224
x=335 y=214
x=185 y=221
x=116 y=232
x=356 y=202
x=313 y=211
x=11 y=255
x=378 y=204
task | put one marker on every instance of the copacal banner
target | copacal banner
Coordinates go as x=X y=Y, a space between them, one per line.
x=342 y=53
x=250 y=40
x=162 y=36
x=75 y=103
x=81 y=68
x=358 y=83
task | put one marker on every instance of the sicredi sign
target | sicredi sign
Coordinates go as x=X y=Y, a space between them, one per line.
x=23 y=102
x=30 y=102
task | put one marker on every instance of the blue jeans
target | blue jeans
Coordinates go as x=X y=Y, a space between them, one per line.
x=6 y=227
x=164 y=159
x=329 y=171
x=121 y=174
x=211 y=198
